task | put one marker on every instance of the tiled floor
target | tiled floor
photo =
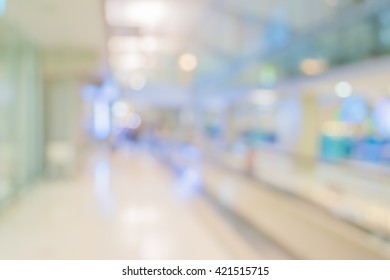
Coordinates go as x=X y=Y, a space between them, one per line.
x=121 y=206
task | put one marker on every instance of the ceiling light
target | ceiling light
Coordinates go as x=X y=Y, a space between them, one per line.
x=263 y=97
x=140 y=13
x=132 y=61
x=343 y=89
x=120 y=109
x=146 y=12
x=149 y=44
x=133 y=44
x=312 y=66
x=137 y=82
x=188 y=62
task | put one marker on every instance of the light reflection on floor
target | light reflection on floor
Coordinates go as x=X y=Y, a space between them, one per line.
x=125 y=205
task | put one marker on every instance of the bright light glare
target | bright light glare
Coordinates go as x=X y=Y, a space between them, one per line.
x=263 y=97
x=343 y=89
x=120 y=109
x=140 y=13
x=131 y=61
x=147 y=12
x=149 y=44
x=123 y=44
x=188 y=62
x=137 y=82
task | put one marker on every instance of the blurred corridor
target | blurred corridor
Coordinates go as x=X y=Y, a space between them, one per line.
x=195 y=129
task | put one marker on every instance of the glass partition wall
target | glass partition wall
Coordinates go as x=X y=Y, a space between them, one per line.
x=21 y=143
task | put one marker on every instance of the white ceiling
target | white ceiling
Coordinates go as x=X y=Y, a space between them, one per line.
x=74 y=24
x=217 y=31
x=209 y=24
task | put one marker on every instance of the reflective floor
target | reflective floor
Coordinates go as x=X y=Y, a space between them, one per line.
x=124 y=205
x=173 y=202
